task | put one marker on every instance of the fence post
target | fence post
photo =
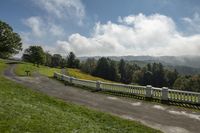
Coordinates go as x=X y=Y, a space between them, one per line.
x=98 y=85
x=71 y=80
x=148 y=92
x=62 y=77
x=54 y=75
x=165 y=92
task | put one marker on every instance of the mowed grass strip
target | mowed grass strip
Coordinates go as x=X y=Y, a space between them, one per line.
x=24 y=110
x=44 y=70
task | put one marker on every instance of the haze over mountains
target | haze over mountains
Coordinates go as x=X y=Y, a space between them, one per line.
x=183 y=64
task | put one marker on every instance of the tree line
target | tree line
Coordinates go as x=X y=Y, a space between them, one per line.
x=154 y=74
x=37 y=56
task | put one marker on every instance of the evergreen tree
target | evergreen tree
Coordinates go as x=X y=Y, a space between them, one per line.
x=102 y=68
x=122 y=71
x=76 y=63
x=72 y=62
x=113 y=73
x=147 y=78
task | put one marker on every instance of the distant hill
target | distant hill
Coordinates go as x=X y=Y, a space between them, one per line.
x=184 y=64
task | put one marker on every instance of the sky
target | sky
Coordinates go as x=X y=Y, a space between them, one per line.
x=107 y=27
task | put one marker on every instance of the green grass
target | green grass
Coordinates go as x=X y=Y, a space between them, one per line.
x=24 y=110
x=47 y=71
x=3 y=65
x=78 y=74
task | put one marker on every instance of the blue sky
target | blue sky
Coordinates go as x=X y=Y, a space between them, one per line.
x=107 y=27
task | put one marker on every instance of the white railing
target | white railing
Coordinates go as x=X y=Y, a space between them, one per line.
x=87 y=83
x=164 y=93
x=130 y=89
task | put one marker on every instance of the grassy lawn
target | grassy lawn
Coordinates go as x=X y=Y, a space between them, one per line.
x=47 y=71
x=78 y=74
x=24 y=110
x=2 y=66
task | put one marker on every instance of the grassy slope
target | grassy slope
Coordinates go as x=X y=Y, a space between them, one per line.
x=21 y=68
x=78 y=74
x=23 y=110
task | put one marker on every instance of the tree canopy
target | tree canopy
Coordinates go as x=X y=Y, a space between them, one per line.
x=56 y=60
x=88 y=66
x=35 y=55
x=107 y=69
x=10 y=42
x=72 y=62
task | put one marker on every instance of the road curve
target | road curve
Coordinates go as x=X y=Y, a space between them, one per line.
x=168 y=119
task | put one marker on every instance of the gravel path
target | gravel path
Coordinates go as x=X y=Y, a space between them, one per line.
x=168 y=119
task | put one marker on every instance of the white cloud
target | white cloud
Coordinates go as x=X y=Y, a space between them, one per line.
x=40 y=30
x=36 y=25
x=49 y=28
x=193 y=23
x=134 y=35
x=56 y=30
x=63 y=9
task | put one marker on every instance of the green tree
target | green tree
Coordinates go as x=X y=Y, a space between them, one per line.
x=138 y=77
x=194 y=83
x=158 y=79
x=56 y=60
x=129 y=71
x=72 y=62
x=106 y=69
x=113 y=72
x=102 y=68
x=122 y=70
x=181 y=83
x=147 y=78
x=77 y=63
x=188 y=83
x=48 y=57
x=88 y=66
x=171 y=77
x=35 y=55
x=10 y=42
x=63 y=63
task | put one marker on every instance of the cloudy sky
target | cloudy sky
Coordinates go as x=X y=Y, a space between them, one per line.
x=107 y=27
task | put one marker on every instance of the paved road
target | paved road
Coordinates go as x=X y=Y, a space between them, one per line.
x=168 y=119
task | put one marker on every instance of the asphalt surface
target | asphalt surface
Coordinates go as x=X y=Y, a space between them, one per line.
x=168 y=119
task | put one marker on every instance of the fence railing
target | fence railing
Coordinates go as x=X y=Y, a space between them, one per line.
x=148 y=91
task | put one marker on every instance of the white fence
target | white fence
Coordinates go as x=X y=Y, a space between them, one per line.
x=148 y=91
